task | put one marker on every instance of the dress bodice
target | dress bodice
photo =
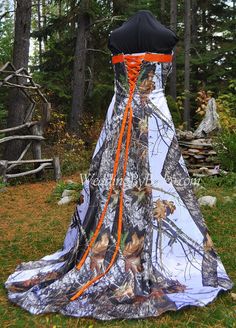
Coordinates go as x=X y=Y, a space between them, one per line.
x=150 y=79
x=142 y=35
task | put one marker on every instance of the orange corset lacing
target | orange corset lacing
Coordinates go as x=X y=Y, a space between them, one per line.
x=133 y=65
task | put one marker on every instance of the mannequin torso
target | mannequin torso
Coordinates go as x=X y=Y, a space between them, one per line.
x=142 y=33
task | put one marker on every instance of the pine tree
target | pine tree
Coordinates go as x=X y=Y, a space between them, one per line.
x=17 y=100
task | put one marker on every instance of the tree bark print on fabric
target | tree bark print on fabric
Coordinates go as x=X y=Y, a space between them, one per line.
x=165 y=258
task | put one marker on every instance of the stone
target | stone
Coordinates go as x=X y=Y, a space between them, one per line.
x=187 y=135
x=199 y=156
x=212 y=152
x=198 y=187
x=227 y=199
x=210 y=123
x=194 y=151
x=207 y=201
x=68 y=192
x=233 y=295
x=69 y=181
x=65 y=200
x=203 y=169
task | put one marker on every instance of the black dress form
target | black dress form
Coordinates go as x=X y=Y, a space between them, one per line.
x=142 y=32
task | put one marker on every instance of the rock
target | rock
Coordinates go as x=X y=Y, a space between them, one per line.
x=69 y=181
x=233 y=295
x=65 y=200
x=194 y=151
x=198 y=187
x=213 y=172
x=203 y=169
x=212 y=152
x=187 y=135
x=67 y=192
x=227 y=199
x=207 y=201
x=210 y=123
x=199 y=156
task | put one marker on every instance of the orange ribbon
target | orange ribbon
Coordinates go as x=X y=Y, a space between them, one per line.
x=152 y=57
x=133 y=65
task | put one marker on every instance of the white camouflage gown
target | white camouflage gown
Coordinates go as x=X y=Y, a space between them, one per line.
x=166 y=258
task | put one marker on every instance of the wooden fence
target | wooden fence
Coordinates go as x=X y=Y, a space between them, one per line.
x=21 y=79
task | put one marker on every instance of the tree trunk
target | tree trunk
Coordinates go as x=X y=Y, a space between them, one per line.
x=173 y=25
x=120 y=7
x=73 y=20
x=91 y=64
x=18 y=103
x=163 y=6
x=187 y=38
x=39 y=28
x=44 y=24
x=78 y=82
x=204 y=27
x=194 y=22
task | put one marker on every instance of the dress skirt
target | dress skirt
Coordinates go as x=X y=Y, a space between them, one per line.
x=137 y=244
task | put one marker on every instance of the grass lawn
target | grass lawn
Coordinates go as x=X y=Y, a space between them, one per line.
x=31 y=227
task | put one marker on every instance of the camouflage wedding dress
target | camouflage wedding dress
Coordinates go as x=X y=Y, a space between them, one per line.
x=137 y=244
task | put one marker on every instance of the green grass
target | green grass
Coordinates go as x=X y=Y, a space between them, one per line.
x=29 y=232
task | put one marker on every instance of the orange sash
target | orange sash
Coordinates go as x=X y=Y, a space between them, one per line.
x=152 y=57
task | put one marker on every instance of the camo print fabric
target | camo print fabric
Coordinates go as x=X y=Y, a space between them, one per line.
x=166 y=257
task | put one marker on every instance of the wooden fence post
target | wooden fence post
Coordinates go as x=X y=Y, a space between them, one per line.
x=57 y=169
x=3 y=170
x=36 y=148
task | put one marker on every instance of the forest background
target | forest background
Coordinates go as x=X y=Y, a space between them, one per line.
x=64 y=48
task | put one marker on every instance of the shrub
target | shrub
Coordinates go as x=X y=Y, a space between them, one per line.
x=175 y=110
x=223 y=180
x=226 y=107
x=225 y=146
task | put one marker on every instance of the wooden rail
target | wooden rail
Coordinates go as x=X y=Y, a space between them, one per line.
x=9 y=78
